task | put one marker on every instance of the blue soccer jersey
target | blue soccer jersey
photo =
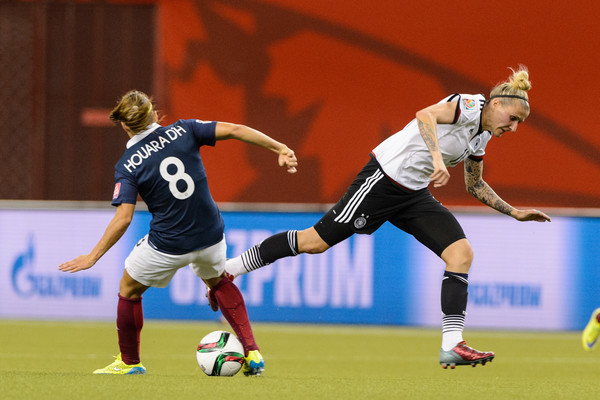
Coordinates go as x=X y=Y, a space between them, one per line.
x=162 y=164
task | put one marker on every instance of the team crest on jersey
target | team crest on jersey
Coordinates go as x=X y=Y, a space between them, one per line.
x=360 y=222
x=469 y=104
x=117 y=190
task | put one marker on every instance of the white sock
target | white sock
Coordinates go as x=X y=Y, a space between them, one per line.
x=235 y=267
x=451 y=339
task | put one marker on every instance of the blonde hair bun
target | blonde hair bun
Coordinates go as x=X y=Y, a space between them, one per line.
x=520 y=79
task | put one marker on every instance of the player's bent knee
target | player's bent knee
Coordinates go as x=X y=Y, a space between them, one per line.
x=314 y=248
x=212 y=282
x=458 y=256
x=130 y=288
x=310 y=242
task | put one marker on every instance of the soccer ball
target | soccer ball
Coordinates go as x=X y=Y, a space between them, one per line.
x=220 y=353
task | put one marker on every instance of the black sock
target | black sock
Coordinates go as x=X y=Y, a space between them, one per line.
x=271 y=249
x=454 y=293
x=454 y=302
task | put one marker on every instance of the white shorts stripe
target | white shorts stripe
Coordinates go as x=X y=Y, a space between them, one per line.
x=358 y=197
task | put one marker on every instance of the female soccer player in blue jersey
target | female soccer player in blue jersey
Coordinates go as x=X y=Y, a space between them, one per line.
x=393 y=187
x=162 y=165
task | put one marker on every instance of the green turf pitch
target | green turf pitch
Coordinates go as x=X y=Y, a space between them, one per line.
x=51 y=360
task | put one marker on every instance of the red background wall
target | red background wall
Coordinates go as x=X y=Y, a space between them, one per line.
x=333 y=78
x=330 y=78
x=63 y=65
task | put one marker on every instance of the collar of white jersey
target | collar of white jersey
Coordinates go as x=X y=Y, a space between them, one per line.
x=142 y=135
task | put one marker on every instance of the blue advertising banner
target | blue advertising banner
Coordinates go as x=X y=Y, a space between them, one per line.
x=524 y=275
x=338 y=286
x=584 y=264
x=32 y=245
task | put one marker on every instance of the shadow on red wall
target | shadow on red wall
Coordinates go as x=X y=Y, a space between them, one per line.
x=332 y=82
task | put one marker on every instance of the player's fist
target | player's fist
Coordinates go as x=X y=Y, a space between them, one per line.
x=287 y=159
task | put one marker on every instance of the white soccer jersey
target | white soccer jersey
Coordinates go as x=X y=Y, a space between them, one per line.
x=405 y=158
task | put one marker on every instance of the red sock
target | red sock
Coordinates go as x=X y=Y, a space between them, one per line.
x=598 y=318
x=130 y=320
x=231 y=303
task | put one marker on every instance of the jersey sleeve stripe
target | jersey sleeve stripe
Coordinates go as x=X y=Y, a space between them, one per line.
x=457 y=111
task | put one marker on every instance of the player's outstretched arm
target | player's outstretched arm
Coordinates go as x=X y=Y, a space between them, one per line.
x=286 y=156
x=530 y=215
x=484 y=193
x=115 y=229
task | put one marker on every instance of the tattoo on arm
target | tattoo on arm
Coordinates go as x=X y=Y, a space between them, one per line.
x=429 y=135
x=481 y=190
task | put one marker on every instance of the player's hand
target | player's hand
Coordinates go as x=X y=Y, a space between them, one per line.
x=530 y=215
x=79 y=264
x=287 y=159
x=440 y=175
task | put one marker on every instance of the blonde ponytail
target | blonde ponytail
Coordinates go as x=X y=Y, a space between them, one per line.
x=134 y=110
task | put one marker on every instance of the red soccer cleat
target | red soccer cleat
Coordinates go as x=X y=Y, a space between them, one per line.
x=462 y=354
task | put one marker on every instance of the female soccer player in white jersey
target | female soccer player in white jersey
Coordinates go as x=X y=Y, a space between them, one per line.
x=163 y=166
x=393 y=187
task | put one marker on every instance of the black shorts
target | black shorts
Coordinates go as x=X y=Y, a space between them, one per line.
x=373 y=199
